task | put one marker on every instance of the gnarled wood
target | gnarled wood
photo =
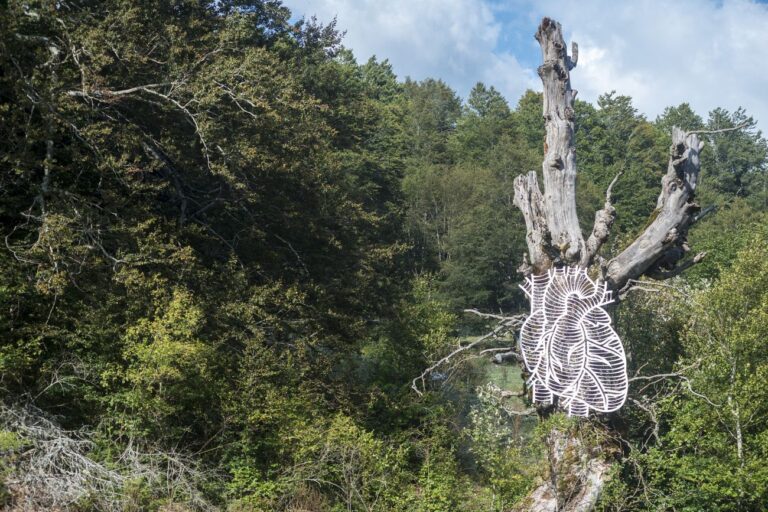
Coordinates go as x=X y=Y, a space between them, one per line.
x=559 y=166
x=663 y=244
x=602 y=228
x=578 y=471
x=530 y=201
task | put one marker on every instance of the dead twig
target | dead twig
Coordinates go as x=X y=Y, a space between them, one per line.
x=505 y=324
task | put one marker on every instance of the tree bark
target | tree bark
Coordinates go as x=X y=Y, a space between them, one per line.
x=554 y=235
x=530 y=201
x=578 y=470
x=663 y=244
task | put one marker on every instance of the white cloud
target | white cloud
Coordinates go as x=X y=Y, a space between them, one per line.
x=660 y=52
x=450 y=39
x=664 y=52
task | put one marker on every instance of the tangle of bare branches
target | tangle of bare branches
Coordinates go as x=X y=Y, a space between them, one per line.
x=53 y=468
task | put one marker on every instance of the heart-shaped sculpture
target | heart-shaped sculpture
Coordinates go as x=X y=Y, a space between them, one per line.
x=568 y=343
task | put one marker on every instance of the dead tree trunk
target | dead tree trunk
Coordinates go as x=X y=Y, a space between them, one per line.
x=552 y=227
x=578 y=470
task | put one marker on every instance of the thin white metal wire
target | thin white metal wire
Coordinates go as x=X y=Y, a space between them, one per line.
x=568 y=343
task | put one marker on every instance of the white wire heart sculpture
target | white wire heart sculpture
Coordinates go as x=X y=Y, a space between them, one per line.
x=569 y=346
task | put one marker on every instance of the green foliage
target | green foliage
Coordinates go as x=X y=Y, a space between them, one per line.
x=485 y=120
x=505 y=456
x=10 y=442
x=340 y=459
x=528 y=116
x=464 y=214
x=681 y=116
x=714 y=434
x=735 y=160
x=169 y=373
x=433 y=109
x=460 y=218
x=439 y=487
x=722 y=234
x=428 y=318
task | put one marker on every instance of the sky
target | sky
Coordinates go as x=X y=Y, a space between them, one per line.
x=661 y=53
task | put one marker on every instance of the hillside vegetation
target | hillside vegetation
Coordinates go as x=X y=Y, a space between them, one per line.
x=229 y=248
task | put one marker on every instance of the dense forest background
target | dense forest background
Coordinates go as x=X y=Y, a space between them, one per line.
x=229 y=248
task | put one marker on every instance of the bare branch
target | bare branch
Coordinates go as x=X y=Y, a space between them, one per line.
x=516 y=318
x=664 y=241
x=151 y=89
x=652 y=416
x=722 y=130
x=677 y=270
x=496 y=350
x=704 y=213
x=609 y=190
x=99 y=93
x=679 y=375
x=53 y=469
x=506 y=325
x=296 y=254
x=602 y=228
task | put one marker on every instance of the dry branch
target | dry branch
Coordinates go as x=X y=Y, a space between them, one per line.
x=553 y=235
x=53 y=468
x=602 y=228
x=506 y=324
x=664 y=242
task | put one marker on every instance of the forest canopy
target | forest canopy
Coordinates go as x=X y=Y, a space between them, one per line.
x=230 y=247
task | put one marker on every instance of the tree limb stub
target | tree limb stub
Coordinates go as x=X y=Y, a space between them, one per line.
x=602 y=228
x=529 y=200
